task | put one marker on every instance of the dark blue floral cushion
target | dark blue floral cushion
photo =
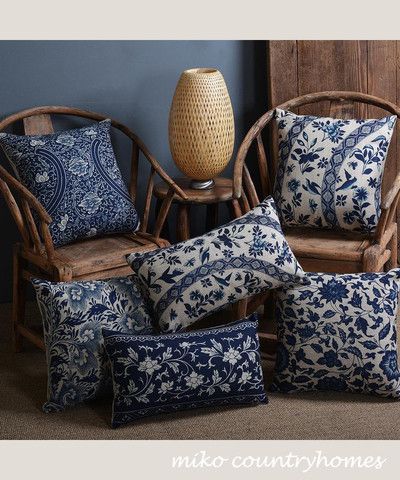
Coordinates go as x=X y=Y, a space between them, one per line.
x=339 y=333
x=164 y=373
x=330 y=171
x=190 y=280
x=73 y=315
x=75 y=176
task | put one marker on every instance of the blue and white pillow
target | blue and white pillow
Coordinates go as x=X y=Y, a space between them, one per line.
x=339 y=333
x=74 y=174
x=192 y=279
x=165 y=373
x=330 y=171
x=73 y=315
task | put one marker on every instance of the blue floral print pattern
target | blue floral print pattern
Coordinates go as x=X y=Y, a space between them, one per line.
x=75 y=176
x=330 y=170
x=189 y=280
x=165 y=373
x=339 y=333
x=73 y=315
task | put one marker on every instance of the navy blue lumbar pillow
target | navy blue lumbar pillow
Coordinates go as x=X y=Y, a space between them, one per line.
x=73 y=315
x=164 y=373
x=75 y=176
x=339 y=333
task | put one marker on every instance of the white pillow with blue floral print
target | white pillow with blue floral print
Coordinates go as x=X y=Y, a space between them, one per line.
x=330 y=170
x=73 y=315
x=339 y=333
x=194 y=278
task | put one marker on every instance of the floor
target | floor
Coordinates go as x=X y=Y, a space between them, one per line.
x=301 y=416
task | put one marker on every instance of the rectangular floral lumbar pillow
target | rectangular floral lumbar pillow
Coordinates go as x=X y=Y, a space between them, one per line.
x=164 y=373
x=339 y=333
x=190 y=280
x=330 y=171
x=73 y=315
x=75 y=176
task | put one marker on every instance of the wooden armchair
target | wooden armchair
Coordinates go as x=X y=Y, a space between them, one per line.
x=326 y=250
x=94 y=258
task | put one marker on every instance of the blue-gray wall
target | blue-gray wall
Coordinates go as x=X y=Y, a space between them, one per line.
x=132 y=81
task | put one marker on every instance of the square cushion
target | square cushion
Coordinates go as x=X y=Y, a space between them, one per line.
x=339 y=333
x=192 y=279
x=330 y=170
x=73 y=315
x=165 y=373
x=74 y=174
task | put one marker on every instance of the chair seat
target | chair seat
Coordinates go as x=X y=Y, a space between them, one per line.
x=87 y=258
x=327 y=244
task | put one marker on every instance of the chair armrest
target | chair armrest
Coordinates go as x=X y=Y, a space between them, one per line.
x=160 y=171
x=22 y=214
x=154 y=163
x=251 y=135
x=388 y=210
x=391 y=194
x=25 y=194
x=169 y=181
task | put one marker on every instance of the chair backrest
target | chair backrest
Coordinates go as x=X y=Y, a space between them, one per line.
x=38 y=121
x=335 y=104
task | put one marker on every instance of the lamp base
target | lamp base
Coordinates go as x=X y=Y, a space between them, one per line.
x=202 y=184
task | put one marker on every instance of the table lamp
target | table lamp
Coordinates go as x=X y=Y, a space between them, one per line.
x=201 y=126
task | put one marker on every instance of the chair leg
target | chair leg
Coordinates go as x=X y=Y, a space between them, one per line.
x=62 y=273
x=240 y=309
x=211 y=216
x=183 y=227
x=19 y=298
x=236 y=210
x=371 y=259
x=393 y=262
x=269 y=307
x=165 y=229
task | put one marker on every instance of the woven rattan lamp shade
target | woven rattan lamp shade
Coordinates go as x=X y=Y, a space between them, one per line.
x=201 y=124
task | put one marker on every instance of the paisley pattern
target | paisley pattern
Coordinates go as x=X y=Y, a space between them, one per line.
x=192 y=279
x=73 y=315
x=165 y=373
x=339 y=333
x=75 y=176
x=330 y=171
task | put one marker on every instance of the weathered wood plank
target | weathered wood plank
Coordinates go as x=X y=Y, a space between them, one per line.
x=282 y=71
x=282 y=81
x=38 y=125
x=382 y=57
x=332 y=65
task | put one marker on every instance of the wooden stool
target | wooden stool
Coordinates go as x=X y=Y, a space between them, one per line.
x=221 y=192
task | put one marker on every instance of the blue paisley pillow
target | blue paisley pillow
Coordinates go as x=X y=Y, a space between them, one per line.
x=75 y=176
x=73 y=315
x=339 y=333
x=330 y=171
x=165 y=373
x=191 y=279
